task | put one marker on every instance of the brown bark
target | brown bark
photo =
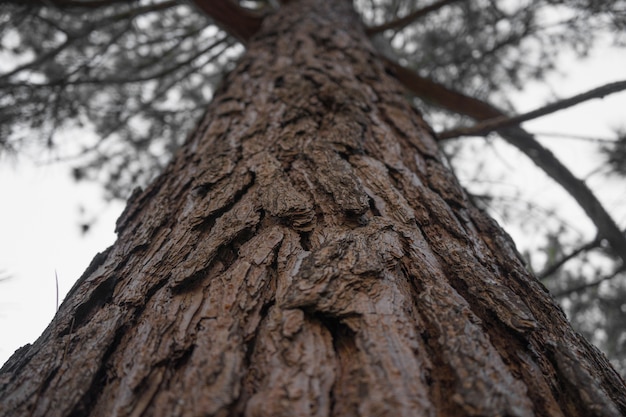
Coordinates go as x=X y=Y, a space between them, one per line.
x=307 y=253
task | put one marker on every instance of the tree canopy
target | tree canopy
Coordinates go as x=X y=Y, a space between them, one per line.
x=113 y=87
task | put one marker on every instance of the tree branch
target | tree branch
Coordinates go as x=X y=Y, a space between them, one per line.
x=237 y=21
x=479 y=110
x=408 y=19
x=551 y=269
x=583 y=287
x=483 y=128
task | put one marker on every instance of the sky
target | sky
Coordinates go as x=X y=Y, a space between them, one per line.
x=41 y=241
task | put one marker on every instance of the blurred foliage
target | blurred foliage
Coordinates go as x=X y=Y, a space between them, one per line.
x=137 y=75
x=615 y=154
x=115 y=91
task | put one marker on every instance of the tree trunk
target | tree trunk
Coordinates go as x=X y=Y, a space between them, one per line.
x=308 y=253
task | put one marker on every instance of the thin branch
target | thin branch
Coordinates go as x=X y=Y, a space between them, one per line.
x=551 y=269
x=483 y=128
x=140 y=10
x=583 y=287
x=132 y=13
x=127 y=80
x=456 y=102
x=408 y=19
x=123 y=121
x=557 y=135
x=42 y=58
x=138 y=79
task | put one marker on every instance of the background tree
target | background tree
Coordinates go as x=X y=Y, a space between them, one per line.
x=242 y=24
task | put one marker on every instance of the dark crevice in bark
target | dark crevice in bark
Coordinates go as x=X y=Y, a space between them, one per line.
x=43 y=387
x=332 y=400
x=346 y=352
x=191 y=283
x=477 y=306
x=226 y=254
x=150 y=293
x=342 y=335
x=86 y=404
x=98 y=260
x=180 y=358
x=507 y=341
x=344 y=153
x=354 y=220
x=514 y=350
x=251 y=341
x=248 y=380
x=305 y=240
x=390 y=123
x=373 y=207
x=441 y=380
x=568 y=397
x=100 y=296
x=207 y=224
x=142 y=246
x=582 y=392
x=300 y=114
x=396 y=178
x=201 y=190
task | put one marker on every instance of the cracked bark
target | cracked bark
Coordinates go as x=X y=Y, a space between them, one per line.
x=307 y=253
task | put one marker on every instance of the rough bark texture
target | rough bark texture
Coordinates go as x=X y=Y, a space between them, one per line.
x=309 y=254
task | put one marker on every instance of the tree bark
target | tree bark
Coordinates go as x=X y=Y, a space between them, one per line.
x=308 y=253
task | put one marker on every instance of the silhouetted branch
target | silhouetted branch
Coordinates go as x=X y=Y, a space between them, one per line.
x=490 y=125
x=163 y=89
x=551 y=269
x=583 y=287
x=575 y=137
x=131 y=80
x=454 y=101
x=408 y=19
